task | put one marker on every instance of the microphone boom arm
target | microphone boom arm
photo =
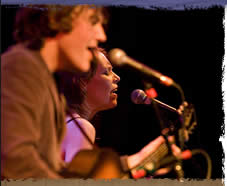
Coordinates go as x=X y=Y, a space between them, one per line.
x=163 y=105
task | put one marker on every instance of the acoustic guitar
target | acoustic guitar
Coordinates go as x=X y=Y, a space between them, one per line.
x=104 y=163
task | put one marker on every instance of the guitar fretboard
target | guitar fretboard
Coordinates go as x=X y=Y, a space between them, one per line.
x=154 y=157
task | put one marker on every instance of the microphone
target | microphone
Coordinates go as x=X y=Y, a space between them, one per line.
x=139 y=97
x=119 y=58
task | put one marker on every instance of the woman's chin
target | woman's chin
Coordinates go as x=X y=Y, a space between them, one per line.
x=112 y=105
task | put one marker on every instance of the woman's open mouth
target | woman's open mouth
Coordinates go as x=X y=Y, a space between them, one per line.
x=114 y=92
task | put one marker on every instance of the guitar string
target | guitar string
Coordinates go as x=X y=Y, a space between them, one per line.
x=158 y=154
x=162 y=150
x=155 y=156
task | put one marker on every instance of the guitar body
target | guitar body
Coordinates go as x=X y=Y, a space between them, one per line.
x=99 y=163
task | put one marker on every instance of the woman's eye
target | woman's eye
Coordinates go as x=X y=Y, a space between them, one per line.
x=106 y=73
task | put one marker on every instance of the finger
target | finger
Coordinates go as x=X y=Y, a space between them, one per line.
x=162 y=171
x=165 y=131
x=171 y=139
x=181 y=107
x=179 y=111
x=176 y=150
x=185 y=104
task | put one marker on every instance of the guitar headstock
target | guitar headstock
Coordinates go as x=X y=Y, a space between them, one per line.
x=188 y=122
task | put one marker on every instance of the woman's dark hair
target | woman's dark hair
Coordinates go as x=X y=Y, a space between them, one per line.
x=36 y=22
x=73 y=86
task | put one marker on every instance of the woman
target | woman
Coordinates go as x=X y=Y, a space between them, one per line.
x=87 y=95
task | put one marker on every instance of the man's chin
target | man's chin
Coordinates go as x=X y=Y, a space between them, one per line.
x=80 y=69
x=84 y=67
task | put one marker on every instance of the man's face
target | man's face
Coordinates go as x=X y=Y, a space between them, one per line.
x=75 y=52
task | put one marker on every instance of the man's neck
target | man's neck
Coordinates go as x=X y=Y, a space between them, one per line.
x=49 y=54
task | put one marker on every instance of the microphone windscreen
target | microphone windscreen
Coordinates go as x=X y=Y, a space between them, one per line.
x=138 y=96
x=116 y=56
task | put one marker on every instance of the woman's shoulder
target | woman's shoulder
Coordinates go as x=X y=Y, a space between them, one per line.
x=69 y=119
x=77 y=119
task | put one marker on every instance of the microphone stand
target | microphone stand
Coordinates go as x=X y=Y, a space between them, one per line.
x=178 y=165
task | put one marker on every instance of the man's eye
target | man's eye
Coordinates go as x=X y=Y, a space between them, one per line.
x=94 y=20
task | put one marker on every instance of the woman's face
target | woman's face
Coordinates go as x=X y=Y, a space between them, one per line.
x=101 y=89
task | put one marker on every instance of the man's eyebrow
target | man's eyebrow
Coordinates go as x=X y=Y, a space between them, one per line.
x=95 y=16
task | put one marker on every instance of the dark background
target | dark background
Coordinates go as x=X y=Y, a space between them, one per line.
x=187 y=46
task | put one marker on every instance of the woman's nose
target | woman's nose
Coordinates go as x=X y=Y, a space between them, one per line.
x=116 y=78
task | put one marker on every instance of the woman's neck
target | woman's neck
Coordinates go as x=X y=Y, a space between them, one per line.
x=89 y=111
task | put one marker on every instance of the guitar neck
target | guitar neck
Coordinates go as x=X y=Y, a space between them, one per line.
x=152 y=160
x=157 y=155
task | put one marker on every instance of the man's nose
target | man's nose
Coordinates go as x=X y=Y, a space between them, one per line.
x=100 y=33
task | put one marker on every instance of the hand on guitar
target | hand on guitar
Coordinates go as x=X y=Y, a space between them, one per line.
x=150 y=158
x=150 y=155
x=105 y=163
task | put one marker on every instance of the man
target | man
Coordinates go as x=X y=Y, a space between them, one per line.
x=50 y=39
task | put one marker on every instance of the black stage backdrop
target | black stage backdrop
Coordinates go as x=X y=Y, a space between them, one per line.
x=187 y=46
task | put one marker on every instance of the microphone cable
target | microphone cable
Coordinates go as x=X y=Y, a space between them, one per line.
x=208 y=160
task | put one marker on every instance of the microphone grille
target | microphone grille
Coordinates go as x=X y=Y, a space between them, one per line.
x=116 y=56
x=138 y=96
